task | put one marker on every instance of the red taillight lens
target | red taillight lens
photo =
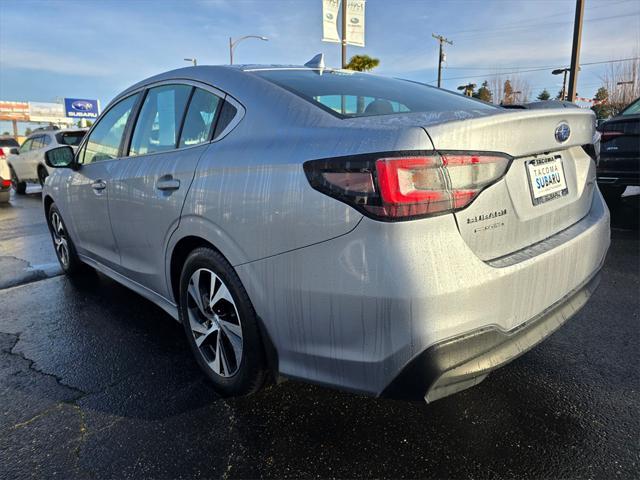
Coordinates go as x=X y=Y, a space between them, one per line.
x=2 y=155
x=404 y=187
x=5 y=183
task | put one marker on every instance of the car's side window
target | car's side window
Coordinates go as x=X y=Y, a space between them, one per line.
x=156 y=129
x=26 y=146
x=37 y=143
x=46 y=140
x=104 y=140
x=199 y=120
x=227 y=113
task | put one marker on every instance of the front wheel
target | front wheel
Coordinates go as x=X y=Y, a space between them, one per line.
x=65 y=250
x=220 y=324
x=18 y=186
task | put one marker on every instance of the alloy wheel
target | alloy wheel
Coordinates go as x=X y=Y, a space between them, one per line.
x=60 y=241
x=214 y=322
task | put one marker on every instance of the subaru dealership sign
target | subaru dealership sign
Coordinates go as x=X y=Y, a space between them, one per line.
x=81 y=108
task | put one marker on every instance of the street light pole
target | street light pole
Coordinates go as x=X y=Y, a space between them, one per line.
x=344 y=34
x=233 y=43
x=193 y=60
x=564 y=71
x=575 y=51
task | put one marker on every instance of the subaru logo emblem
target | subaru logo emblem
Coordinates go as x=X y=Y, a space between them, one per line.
x=562 y=132
x=81 y=105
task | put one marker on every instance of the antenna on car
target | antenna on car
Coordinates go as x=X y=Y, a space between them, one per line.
x=316 y=62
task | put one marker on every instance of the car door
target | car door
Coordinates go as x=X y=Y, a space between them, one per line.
x=91 y=185
x=173 y=129
x=21 y=162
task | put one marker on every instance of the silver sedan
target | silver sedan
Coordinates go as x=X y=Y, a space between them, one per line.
x=351 y=230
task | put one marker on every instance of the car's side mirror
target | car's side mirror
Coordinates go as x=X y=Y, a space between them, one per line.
x=14 y=151
x=60 y=157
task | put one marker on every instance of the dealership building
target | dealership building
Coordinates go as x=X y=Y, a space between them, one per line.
x=64 y=114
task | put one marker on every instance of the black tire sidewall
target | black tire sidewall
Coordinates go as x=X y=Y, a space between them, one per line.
x=19 y=187
x=75 y=265
x=250 y=375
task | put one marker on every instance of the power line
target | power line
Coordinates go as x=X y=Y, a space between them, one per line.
x=536 y=69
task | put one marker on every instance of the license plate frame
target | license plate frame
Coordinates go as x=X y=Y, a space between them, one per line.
x=546 y=178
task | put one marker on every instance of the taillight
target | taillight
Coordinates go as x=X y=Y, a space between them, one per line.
x=2 y=155
x=5 y=183
x=402 y=187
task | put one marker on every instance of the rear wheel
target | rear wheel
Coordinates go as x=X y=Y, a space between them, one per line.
x=18 y=186
x=220 y=324
x=65 y=250
x=42 y=175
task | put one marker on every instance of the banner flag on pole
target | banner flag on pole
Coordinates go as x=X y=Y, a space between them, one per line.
x=330 y=10
x=355 y=22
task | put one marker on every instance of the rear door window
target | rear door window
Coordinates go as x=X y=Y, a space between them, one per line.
x=26 y=146
x=158 y=123
x=200 y=118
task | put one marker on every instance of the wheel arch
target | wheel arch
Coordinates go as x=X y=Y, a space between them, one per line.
x=47 y=202
x=179 y=253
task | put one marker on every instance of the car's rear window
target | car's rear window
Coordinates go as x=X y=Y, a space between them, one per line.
x=354 y=94
x=70 y=138
x=632 y=109
x=9 y=142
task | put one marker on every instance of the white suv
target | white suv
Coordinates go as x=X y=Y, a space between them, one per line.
x=27 y=162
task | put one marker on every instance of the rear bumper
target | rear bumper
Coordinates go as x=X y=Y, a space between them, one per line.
x=464 y=361
x=360 y=311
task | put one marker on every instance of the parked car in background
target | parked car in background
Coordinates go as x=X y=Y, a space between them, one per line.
x=6 y=144
x=5 y=181
x=27 y=162
x=351 y=230
x=619 y=165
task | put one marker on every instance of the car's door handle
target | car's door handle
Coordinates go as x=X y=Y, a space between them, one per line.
x=99 y=185
x=168 y=183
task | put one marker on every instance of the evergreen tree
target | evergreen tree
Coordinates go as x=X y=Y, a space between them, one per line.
x=484 y=93
x=362 y=63
x=602 y=107
x=544 y=95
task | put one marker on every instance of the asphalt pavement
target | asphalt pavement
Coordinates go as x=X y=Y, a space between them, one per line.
x=96 y=382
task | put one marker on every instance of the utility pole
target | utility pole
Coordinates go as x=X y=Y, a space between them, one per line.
x=442 y=41
x=344 y=33
x=564 y=71
x=575 y=51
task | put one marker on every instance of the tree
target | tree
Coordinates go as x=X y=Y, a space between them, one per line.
x=362 y=63
x=601 y=106
x=560 y=95
x=508 y=93
x=544 y=95
x=28 y=132
x=483 y=92
x=468 y=89
x=6 y=133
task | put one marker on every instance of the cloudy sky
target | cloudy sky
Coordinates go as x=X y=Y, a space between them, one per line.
x=95 y=49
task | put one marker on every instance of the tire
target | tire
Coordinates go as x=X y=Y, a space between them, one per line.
x=612 y=193
x=43 y=173
x=18 y=186
x=224 y=337
x=62 y=244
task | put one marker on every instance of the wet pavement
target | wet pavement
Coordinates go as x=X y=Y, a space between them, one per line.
x=96 y=382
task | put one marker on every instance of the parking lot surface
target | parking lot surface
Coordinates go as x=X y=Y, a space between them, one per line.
x=96 y=382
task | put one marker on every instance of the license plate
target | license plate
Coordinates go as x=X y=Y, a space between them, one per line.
x=546 y=179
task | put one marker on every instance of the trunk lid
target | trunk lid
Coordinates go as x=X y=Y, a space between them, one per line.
x=510 y=215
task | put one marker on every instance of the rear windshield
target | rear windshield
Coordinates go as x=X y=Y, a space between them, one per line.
x=354 y=94
x=70 y=138
x=8 y=142
x=632 y=109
